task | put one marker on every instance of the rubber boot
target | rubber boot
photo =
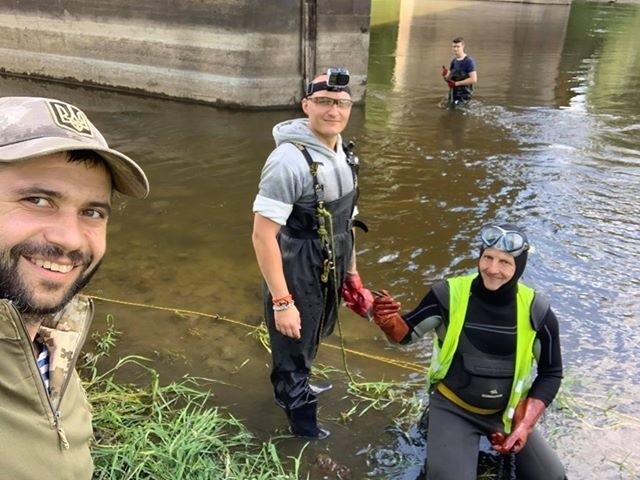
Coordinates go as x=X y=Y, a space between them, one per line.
x=303 y=423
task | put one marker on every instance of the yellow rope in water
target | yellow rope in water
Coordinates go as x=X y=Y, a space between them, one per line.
x=180 y=311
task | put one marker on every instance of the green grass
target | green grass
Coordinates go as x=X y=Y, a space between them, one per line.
x=169 y=432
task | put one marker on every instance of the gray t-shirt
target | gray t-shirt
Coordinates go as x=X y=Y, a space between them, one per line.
x=286 y=179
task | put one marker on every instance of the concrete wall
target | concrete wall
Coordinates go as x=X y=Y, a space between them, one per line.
x=249 y=53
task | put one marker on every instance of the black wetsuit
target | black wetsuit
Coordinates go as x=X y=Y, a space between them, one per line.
x=490 y=327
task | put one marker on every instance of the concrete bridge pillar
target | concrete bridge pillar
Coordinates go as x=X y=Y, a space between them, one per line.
x=246 y=53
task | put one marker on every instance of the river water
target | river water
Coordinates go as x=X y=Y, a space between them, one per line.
x=552 y=142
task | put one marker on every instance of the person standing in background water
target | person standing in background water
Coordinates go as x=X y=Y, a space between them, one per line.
x=461 y=75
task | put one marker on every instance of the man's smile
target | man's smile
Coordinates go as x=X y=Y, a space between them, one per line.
x=53 y=266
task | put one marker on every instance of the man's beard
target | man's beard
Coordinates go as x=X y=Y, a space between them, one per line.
x=13 y=288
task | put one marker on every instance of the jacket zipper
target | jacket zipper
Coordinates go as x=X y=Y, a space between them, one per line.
x=64 y=443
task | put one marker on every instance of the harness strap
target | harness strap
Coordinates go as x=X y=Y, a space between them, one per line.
x=359 y=224
x=354 y=163
x=325 y=232
x=318 y=188
x=323 y=217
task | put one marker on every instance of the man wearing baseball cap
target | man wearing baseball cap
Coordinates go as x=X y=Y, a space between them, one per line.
x=57 y=178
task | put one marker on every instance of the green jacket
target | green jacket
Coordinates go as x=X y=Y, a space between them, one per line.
x=44 y=435
x=459 y=291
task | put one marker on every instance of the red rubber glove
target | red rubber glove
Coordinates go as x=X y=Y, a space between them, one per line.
x=356 y=297
x=527 y=413
x=497 y=439
x=445 y=72
x=451 y=84
x=386 y=316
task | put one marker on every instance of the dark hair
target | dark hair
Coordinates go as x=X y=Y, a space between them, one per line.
x=92 y=159
x=458 y=40
x=89 y=156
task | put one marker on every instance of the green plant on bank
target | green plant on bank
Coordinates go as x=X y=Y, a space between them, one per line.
x=168 y=432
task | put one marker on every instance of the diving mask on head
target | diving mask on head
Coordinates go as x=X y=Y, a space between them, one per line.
x=513 y=242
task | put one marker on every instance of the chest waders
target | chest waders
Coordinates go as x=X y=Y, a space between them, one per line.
x=316 y=246
x=460 y=95
x=324 y=219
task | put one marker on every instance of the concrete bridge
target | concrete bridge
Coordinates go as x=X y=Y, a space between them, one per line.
x=246 y=53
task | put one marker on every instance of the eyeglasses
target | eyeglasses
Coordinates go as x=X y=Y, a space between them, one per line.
x=342 y=103
x=508 y=241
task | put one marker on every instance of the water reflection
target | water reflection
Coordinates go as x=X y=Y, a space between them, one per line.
x=552 y=143
x=556 y=151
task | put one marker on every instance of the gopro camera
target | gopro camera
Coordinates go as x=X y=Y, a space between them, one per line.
x=337 y=77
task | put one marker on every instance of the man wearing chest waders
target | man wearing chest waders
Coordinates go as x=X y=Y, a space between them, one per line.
x=304 y=243
x=461 y=75
x=490 y=329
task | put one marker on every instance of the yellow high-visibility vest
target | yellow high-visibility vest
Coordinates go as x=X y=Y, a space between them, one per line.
x=459 y=292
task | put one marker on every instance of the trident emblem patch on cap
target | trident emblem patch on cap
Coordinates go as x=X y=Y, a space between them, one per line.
x=70 y=117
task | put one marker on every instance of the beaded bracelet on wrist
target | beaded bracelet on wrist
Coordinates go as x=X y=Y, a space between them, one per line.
x=281 y=307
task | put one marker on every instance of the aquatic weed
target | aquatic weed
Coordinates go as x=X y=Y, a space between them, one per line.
x=167 y=432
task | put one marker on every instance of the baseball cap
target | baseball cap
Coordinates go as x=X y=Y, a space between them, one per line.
x=33 y=126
